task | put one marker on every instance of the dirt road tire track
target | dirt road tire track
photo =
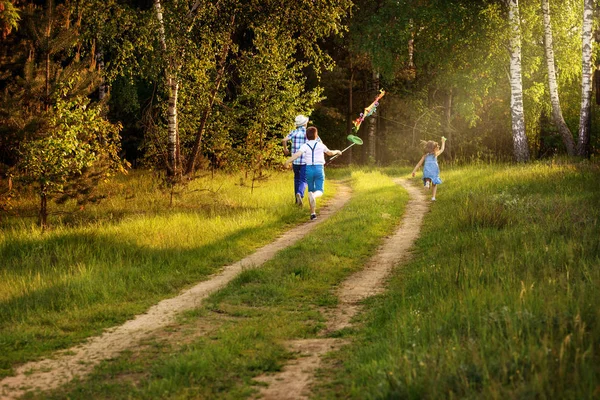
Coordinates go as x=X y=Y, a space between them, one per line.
x=80 y=360
x=296 y=378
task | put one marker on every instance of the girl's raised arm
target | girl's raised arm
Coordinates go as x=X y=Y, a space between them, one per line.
x=440 y=151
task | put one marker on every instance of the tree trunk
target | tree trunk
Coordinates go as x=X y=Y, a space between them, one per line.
x=447 y=120
x=412 y=69
x=43 y=216
x=173 y=88
x=49 y=12
x=373 y=123
x=521 y=150
x=220 y=73
x=586 y=80
x=103 y=88
x=557 y=116
x=411 y=48
x=350 y=106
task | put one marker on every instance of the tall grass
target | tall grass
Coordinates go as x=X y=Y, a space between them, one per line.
x=101 y=265
x=258 y=310
x=500 y=300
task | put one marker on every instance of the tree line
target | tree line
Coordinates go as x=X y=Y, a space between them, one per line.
x=501 y=79
x=91 y=87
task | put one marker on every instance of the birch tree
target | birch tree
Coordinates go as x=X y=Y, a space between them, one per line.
x=520 y=148
x=586 y=79
x=173 y=166
x=557 y=115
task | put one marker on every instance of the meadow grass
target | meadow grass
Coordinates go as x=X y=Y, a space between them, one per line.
x=500 y=299
x=107 y=262
x=258 y=310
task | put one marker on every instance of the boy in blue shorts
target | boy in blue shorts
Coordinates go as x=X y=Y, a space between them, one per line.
x=313 y=152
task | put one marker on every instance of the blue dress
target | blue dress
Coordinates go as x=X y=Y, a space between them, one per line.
x=431 y=169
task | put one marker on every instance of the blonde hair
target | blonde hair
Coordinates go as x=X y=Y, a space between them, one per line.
x=430 y=146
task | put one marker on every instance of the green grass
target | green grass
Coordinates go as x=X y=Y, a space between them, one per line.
x=257 y=311
x=102 y=265
x=500 y=300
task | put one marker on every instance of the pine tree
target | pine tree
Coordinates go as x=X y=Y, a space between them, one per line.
x=56 y=138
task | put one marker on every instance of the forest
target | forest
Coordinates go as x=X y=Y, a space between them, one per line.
x=92 y=88
x=142 y=157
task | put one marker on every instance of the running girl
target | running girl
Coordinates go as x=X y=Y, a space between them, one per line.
x=431 y=169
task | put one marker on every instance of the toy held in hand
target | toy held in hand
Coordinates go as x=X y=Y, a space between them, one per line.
x=354 y=139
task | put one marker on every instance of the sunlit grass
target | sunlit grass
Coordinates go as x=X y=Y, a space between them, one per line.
x=261 y=308
x=500 y=300
x=93 y=269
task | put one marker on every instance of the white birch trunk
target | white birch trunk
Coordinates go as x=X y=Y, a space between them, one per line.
x=557 y=115
x=586 y=79
x=173 y=87
x=521 y=150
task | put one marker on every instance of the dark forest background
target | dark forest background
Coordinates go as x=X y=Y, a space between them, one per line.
x=90 y=88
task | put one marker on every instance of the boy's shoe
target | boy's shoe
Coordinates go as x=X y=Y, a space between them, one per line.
x=299 y=199
x=433 y=199
x=313 y=217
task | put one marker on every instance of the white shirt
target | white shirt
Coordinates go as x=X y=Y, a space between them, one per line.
x=314 y=152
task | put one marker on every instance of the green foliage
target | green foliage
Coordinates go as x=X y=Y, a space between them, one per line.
x=9 y=17
x=266 y=55
x=460 y=50
x=54 y=135
x=76 y=142
x=271 y=93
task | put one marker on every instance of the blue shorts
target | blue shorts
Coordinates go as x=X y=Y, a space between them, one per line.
x=315 y=177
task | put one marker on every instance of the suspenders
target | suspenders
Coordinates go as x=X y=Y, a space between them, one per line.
x=313 y=151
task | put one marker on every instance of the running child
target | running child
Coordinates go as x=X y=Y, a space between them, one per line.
x=431 y=169
x=313 y=152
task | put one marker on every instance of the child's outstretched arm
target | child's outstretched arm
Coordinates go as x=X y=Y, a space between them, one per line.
x=440 y=151
x=293 y=157
x=418 y=165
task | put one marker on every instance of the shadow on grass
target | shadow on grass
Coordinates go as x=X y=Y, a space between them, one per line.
x=75 y=285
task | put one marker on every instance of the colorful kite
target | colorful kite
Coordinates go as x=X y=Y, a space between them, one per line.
x=368 y=111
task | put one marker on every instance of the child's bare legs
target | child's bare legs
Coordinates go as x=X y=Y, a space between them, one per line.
x=434 y=191
x=312 y=200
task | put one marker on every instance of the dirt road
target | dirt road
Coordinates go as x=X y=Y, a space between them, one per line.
x=80 y=360
x=295 y=379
